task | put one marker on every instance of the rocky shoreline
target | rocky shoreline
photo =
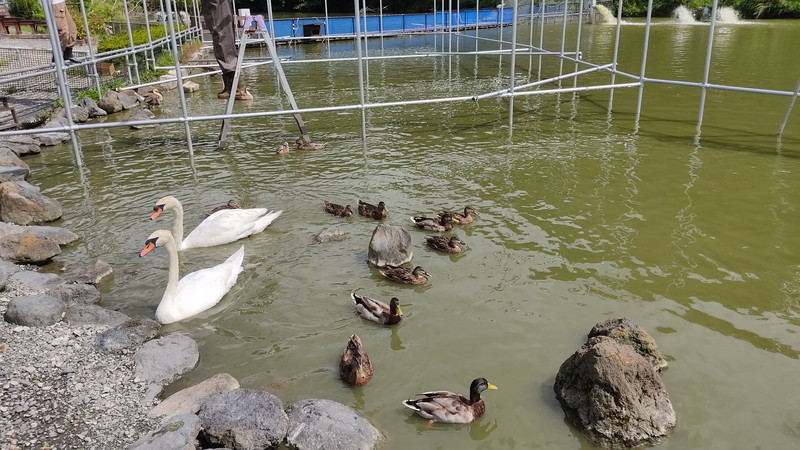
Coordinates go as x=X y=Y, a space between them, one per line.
x=76 y=375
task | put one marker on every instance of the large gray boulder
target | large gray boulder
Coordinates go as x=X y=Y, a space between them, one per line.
x=60 y=236
x=26 y=248
x=626 y=331
x=71 y=293
x=6 y=270
x=129 y=98
x=35 y=310
x=13 y=173
x=110 y=103
x=178 y=433
x=10 y=158
x=95 y=273
x=141 y=114
x=81 y=314
x=614 y=395
x=91 y=107
x=127 y=336
x=35 y=281
x=190 y=399
x=22 y=203
x=319 y=423
x=162 y=361
x=51 y=138
x=245 y=419
x=21 y=145
x=390 y=245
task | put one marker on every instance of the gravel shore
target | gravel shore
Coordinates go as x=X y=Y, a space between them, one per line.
x=57 y=392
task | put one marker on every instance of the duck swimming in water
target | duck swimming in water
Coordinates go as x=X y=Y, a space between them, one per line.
x=404 y=275
x=373 y=212
x=308 y=145
x=449 y=407
x=355 y=368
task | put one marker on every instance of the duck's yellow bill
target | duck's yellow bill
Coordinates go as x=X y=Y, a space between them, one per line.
x=491 y=386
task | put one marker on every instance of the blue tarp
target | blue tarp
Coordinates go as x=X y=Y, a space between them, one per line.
x=395 y=23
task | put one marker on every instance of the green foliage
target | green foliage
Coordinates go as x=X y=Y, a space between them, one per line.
x=26 y=9
x=118 y=41
x=91 y=93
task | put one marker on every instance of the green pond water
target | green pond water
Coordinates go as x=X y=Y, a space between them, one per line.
x=583 y=214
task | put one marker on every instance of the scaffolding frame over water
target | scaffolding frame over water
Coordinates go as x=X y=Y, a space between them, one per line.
x=535 y=12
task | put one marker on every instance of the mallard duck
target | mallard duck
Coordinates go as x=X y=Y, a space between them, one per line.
x=153 y=98
x=405 y=275
x=338 y=210
x=445 y=244
x=374 y=212
x=302 y=144
x=232 y=204
x=376 y=310
x=244 y=94
x=449 y=407
x=283 y=148
x=354 y=367
x=461 y=219
x=440 y=223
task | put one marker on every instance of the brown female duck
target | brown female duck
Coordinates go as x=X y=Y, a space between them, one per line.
x=461 y=219
x=153 y=98
x=232 y=204
x=244 y=94
x=282 y=149
x=338 y=210
x=440 y=223
x=376 y=310
x=405 y=275
x=374 y=212
x=449 y=407
x=445 y=244
x=354 y=367
x=302 y=144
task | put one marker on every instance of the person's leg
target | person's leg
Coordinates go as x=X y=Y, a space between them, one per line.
x=71 y=38
x=218 y=15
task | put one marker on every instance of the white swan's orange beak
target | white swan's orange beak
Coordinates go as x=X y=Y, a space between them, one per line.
x=149 y=245
x=157 y=210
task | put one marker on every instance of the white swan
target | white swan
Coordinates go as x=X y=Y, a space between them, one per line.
x=197 y=291
x=223 y=226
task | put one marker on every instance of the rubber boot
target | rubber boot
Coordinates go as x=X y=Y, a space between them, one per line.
x=68 y=55
x=227 y=81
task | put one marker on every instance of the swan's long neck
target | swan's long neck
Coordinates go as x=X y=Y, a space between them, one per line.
x=172 y=281
x=177 y=225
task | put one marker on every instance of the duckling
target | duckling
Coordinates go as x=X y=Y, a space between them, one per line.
x=232 y=204
x=283 y=148
x=153 y=98
x=244 y=94
x=375 y=212
x=376 y=310
x=354 y=366
x=405 y=275
x=449 y=407
x=440 y=223
x=308 y=145
x=338 y=210
x=461 y=219
x=445 y=244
